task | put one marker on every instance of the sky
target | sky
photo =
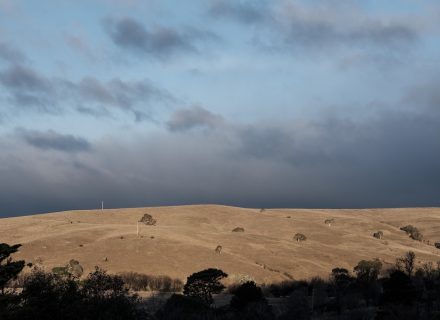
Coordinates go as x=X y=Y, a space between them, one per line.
x=281 y=103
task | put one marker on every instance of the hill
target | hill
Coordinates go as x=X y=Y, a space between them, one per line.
x=184 y=239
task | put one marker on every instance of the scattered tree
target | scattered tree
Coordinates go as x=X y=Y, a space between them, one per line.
x=413 y=232
x=378 y=234
x=148 y=220
x=299 y=237
x=203 y=284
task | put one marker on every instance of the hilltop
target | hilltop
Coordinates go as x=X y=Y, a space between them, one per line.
x=184 y=239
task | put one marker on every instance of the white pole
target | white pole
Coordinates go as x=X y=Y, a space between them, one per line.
x=102 y=205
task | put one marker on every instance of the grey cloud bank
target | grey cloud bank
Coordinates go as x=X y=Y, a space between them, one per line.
x=387 y=160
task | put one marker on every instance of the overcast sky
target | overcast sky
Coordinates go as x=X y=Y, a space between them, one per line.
x=285 y=103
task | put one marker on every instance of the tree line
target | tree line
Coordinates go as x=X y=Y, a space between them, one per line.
x=405 y=291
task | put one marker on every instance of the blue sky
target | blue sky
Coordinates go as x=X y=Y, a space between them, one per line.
x=253 y=103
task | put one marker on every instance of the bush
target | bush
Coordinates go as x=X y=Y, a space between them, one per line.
x=329 y=221
x=299 y=237
x=437 y=245
x=238 y=229
x=148 y=220
x=246 y=293
x=143 y=282
x=72 y=269
x=378 y=234
x=413 y=232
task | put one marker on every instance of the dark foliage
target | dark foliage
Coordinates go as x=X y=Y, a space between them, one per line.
x=180 y=307
x=50 y=296
x=9 y=269
x=203 y=284
x=144 y=282
x=245 y=294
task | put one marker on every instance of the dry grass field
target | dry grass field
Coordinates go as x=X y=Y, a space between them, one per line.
x=185 y=237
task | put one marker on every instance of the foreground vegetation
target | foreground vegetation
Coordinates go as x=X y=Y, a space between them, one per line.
x=406 y=291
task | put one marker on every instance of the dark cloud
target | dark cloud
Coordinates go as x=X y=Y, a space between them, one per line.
x=21 y=78
x=288 y=25
x=194 y=117
x=11 y=54
x=387 y=159
x=127 y=33
x=51 y=140
x=25 y=87
x=160 y=42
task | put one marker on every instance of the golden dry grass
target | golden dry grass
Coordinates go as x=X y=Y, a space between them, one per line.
x=185 y=239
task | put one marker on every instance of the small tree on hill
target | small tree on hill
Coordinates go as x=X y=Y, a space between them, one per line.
x=299 y=237
x=203 y=284
x=413 y=232
x=378 y=234
x=9 y=269
x=148 y=220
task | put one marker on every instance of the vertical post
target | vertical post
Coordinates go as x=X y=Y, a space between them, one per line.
x=102 y=205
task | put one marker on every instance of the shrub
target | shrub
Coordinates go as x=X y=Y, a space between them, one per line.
x=238 y=229
x=246 y=293
x=413 y=232
x=378 y=234
x=329 y=221
x=299 y=237
x=437 y=245
x=148 y=220
x=72 y=269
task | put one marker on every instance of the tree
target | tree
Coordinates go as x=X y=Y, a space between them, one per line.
x=299 y=237
x=407 y=263
x=368 y=270
x=378 y=234
x=9 y=269
x=203 y=284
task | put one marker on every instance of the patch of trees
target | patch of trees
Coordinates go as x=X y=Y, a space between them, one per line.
x=413 y=232
x=405 y=291
x=144 y=282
